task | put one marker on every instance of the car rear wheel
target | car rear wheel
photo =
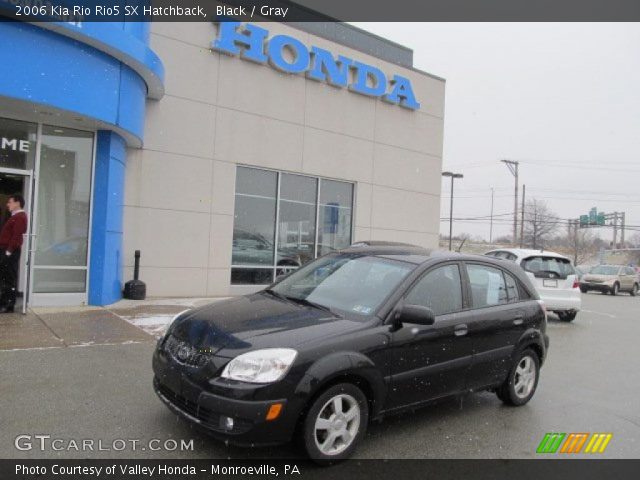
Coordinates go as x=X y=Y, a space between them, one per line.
x=615 y=289
x=522 y=381
x=634 y=290
x=584 y=289
x=567 y=316
x=335 y=423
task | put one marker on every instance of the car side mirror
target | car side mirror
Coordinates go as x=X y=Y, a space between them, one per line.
x=417 y=314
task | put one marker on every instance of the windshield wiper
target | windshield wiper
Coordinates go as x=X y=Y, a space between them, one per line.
x=273 y=293
x=309 y=303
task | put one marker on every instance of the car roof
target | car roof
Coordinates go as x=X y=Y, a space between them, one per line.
x=529 y=252
x=413 y=253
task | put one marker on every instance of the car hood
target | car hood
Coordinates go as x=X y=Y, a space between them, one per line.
x=231 y=327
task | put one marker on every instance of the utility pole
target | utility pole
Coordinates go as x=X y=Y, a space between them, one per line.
x=622 y=230
x=522 y=218
x=453 y=177
x=615 y=230
x=491 y=221
x=513 y=168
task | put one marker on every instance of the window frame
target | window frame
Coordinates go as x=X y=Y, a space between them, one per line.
x=522 y=291
x=273 y=267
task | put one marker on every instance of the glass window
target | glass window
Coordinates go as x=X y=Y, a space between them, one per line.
x=262 y=196
x=440 y=290
x=354 y=285
x=541 y=266
x=64 y=196
x=334 y=227
x=512 y=288
x=17 y=144
x=254 y=224
x=296 y=220
x=487 y=286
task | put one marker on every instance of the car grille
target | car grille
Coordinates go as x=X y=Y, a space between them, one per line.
x=208 y=418
x=184 y=353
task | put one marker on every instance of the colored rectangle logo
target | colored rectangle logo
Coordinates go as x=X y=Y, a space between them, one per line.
x=576 y=442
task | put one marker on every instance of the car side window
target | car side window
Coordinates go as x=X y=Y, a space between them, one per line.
x=512 y=288
x=487 y=286
x=440 y=290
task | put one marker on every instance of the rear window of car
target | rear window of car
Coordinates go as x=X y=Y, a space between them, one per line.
x=541 y=265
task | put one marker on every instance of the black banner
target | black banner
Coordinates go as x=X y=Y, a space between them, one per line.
x=351 y=469
x=322 y=10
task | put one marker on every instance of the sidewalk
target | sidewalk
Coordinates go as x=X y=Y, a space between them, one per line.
x=127 y=321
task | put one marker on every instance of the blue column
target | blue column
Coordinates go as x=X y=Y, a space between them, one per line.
x=105 y=269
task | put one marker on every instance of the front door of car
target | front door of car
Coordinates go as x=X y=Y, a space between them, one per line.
x=430 y=361
x=499 y=322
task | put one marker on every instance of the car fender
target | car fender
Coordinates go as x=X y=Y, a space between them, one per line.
x=532 y=336
x=344 y=364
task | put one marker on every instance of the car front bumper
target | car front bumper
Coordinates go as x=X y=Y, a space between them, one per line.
x=210 y=411
x=600 y=287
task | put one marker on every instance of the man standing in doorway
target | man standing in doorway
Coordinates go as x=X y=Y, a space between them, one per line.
x=10 y=246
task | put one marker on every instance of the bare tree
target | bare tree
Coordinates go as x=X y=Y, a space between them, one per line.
x=582 y=244
x=539 y=223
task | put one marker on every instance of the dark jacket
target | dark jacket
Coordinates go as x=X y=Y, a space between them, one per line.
x=12 y=231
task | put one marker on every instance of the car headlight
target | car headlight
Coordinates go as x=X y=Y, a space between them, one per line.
x=261 y=366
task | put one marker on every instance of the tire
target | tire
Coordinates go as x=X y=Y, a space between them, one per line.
x=634 y=290
x=567 y=316
x=615 y=289
x=584 y=289
x=517 y=389
x=340 y=411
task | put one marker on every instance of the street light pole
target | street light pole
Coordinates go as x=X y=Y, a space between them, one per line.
x=513 y=168
x=491 y=221
x=453 y=176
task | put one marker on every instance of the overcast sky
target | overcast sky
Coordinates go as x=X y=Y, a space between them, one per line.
x=562 y=98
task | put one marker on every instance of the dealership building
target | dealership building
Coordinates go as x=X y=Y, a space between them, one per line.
x=226 y=152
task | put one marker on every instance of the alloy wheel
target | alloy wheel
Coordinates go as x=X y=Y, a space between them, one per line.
x=525 y=377
x=337 y=424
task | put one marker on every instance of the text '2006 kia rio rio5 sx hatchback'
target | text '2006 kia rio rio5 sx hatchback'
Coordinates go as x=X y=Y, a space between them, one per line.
x=350 y=337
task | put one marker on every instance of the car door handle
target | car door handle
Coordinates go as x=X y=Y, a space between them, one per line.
x=518 y=320
x=460 y=330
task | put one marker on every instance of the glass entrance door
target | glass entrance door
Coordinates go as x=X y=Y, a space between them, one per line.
x=62 y=216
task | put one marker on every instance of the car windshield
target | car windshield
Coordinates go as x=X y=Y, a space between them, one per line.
x=605 y=270
x=348 y=283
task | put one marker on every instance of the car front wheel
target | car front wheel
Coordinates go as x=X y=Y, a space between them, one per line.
x=615 y=289
x=634 y=290
x=335 y=423
x=522 y=381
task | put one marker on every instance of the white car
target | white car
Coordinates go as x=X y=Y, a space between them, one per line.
x=553 y=276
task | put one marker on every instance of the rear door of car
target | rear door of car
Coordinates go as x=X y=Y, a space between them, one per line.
x=500 y=311
x=627 y=278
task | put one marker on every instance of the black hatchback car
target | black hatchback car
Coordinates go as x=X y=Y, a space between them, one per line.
x=350 y=337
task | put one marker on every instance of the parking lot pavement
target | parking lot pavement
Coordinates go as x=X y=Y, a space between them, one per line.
x=589 y=383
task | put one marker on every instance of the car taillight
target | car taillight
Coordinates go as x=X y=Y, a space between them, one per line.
x=576 y=283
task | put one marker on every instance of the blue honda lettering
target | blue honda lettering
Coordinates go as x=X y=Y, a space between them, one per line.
x=252 y=38
x=369 y=80
x=276 y=49
x=324 y=68
x=402 y=93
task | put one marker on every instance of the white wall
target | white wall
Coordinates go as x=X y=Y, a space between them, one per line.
x=219 y=111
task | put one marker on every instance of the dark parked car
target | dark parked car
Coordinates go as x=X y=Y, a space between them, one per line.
x=350 y=337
